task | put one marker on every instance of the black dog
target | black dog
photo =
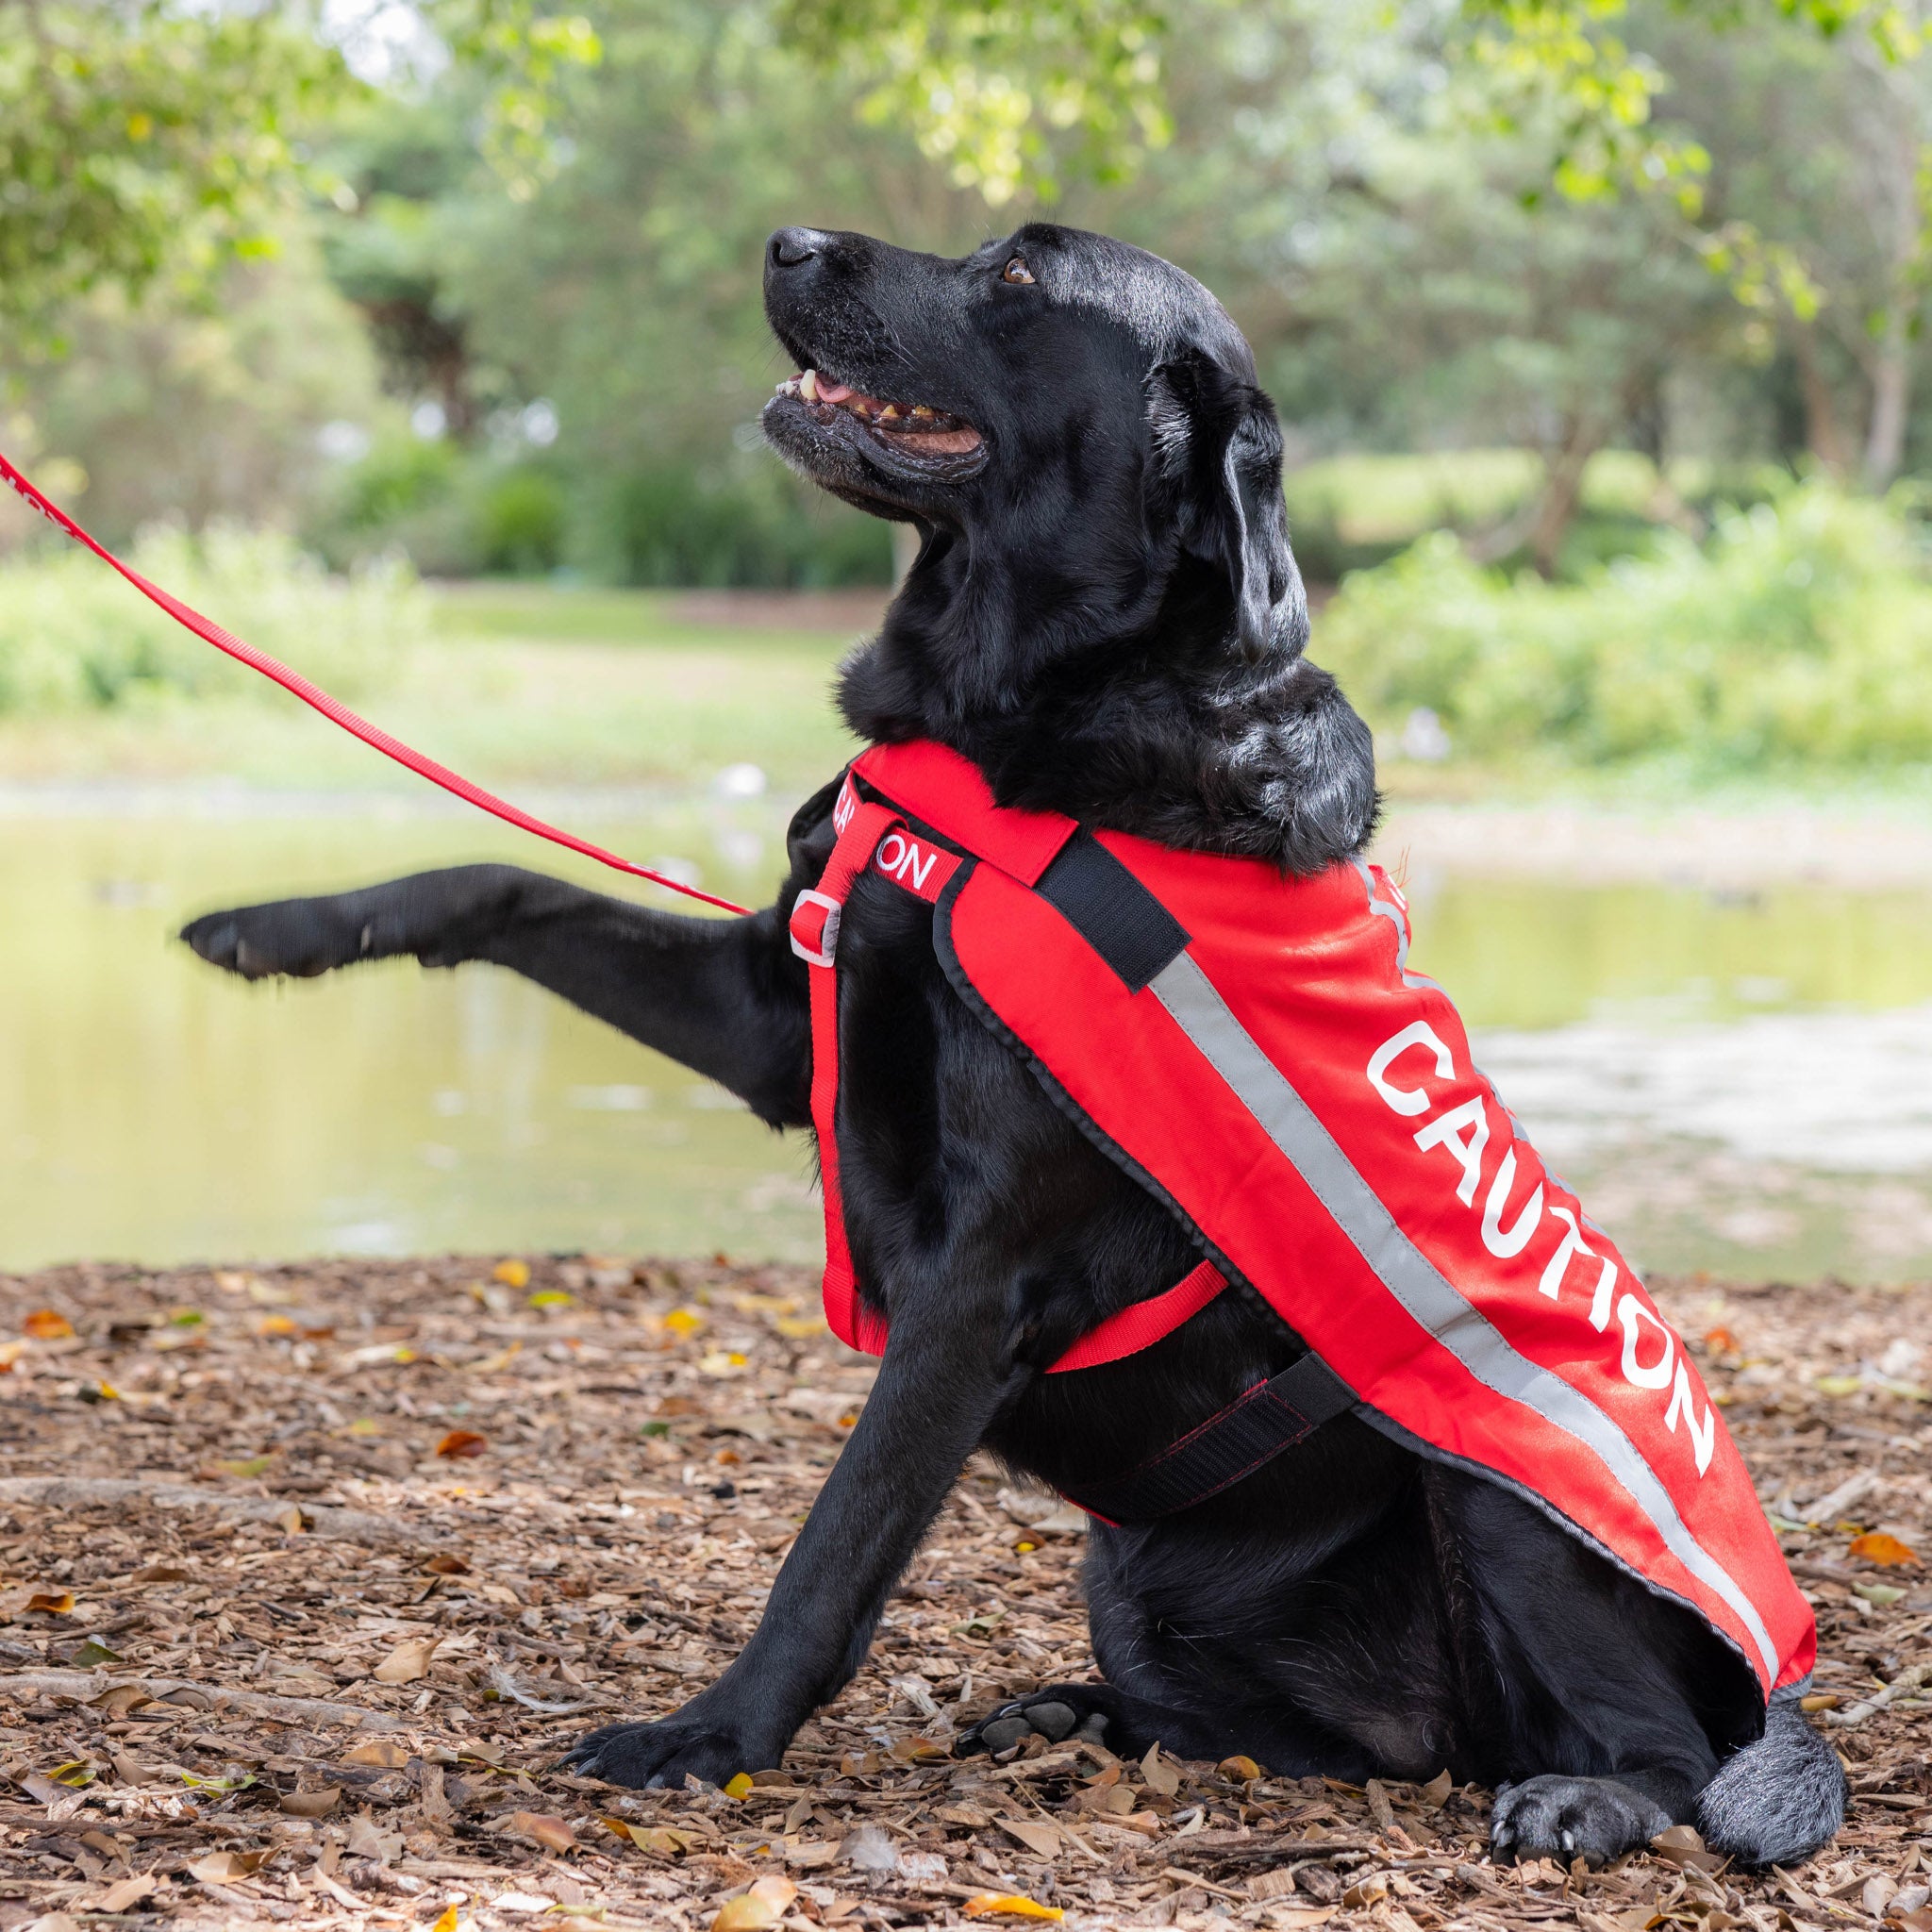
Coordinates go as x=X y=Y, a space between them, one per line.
x=1107 y=618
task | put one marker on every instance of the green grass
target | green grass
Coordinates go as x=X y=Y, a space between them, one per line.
x=512 y=685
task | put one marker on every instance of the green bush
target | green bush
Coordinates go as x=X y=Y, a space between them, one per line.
x=521 y=522
x=676 y=525
x=74 y=637
x=1800 y=634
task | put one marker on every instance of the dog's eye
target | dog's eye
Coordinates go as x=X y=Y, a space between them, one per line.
x=1017 y=271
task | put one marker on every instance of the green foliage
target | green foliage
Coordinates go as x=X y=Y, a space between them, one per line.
x=74 y=636
x=677 y=525
x=138 y=136
x=1007 y=97
x=1799 y=637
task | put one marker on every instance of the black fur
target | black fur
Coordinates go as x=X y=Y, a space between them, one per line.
x=1106 y=617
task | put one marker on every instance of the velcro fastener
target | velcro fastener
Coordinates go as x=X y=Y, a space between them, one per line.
x=1112 y=911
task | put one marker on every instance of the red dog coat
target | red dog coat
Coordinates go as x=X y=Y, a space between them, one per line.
x=1254 y=1048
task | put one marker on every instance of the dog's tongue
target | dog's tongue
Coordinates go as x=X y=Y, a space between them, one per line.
x=833 y=391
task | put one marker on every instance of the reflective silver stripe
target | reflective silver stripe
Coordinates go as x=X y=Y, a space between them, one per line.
x=1416 y=1282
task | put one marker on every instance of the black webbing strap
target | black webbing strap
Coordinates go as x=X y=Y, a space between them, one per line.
x=1251 y=1430
x=1112 y=911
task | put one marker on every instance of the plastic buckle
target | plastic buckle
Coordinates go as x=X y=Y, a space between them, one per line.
x=828 y=934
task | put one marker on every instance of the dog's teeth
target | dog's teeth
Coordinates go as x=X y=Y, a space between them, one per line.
x=809 y=386
x=922 y=411
x=889 y=413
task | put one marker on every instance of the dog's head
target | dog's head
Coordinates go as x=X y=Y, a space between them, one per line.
x=1076 y=420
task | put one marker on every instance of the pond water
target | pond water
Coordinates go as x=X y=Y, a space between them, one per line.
x=1740 y=1082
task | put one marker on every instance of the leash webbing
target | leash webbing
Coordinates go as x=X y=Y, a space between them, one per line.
x=338 y=713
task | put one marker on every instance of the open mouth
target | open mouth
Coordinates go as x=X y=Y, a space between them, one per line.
x=910 y=429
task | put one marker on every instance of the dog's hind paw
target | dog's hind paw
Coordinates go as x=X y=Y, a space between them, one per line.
x=1596 y=1819
x=1059 y=1711
x=642 y=1755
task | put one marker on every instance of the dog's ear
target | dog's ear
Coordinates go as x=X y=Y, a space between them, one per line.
x=1215 y=478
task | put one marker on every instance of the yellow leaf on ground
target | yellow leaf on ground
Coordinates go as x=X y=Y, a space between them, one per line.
x=463 y=1443
x=275 y=1325
x=10 y=1351
x=1888 y=1552
x=47 y=1325
x=723 y=1361
x=1243 y=1768
x=745 y=1913
x=553 y=1298
x=248 y=1467
x=775 y=1889
x=739 y=1786
x=407 y=1662
x=512 y=1273
x=684 y=1321
x=446 y=1920
x=57 y=1603
x=984 y=1904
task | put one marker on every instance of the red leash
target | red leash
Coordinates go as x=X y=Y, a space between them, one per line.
x=338 y=713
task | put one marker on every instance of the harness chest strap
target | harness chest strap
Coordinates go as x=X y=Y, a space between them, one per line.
x=1265 y=1419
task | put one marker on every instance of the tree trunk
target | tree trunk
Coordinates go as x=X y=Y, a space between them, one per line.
x=1824 y=438
x=1543 y=522
x=1891 y=395
x=1562 y=490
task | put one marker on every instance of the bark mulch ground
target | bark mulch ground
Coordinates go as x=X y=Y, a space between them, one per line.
x=307 y=1574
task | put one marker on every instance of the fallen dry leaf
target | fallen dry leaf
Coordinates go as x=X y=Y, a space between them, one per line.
x=47 y=1325
x=552 y=1833
x=1012 y=1905
x=1035 y=1834
x=311 y=1804
x=221 y=1868
x=126 y=1893
x=447 y=1921
x=1158 y=1774
x=407 y=1662
x=444 y=1564
x=378 y=1752
x=463 y=1443
x=1888 y=1552
x=367 y=1841
x=512 y=1273
x=1243 y=1768
x=1435 y=1794
x=746 y=1913
x=56 y=1603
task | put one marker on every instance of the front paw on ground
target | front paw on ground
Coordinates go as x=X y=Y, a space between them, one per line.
x=642 y=1755
x=1596 y=1819
x=1059 y=1712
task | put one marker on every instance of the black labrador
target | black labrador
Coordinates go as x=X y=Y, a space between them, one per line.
x=1106 y=617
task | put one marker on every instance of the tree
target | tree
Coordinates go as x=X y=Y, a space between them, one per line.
x=139 y=139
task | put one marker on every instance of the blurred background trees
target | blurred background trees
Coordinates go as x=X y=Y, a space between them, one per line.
x=481 y=282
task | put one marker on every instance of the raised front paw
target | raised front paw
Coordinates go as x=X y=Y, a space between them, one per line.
x=1058 y=1711
x=666 y=1753
x=298 y=936
x=1563 y=1818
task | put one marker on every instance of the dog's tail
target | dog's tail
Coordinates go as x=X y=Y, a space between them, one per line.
x=1776 y=1801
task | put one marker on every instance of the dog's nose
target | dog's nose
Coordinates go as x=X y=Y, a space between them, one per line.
x=795 y=247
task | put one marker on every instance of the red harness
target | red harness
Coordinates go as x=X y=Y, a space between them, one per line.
x=1322 y=1130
